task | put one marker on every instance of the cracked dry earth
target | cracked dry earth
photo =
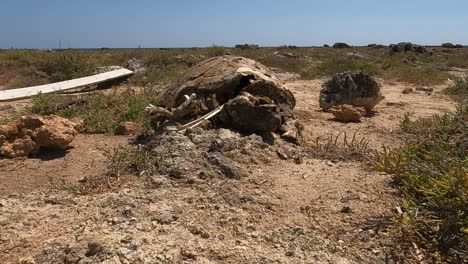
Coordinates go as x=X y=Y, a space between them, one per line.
x=320 y=211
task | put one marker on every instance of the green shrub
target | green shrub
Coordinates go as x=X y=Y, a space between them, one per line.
x=459 y=89
x=101 y=113
x=338 y=65
x=215 y=50
x=431 y=170
x=131 y=161
x=65 y=65
x=425 y=75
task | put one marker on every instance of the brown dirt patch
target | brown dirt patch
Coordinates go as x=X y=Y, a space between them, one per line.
x=84 y=158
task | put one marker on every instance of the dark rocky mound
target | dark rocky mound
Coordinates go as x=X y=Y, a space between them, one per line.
x=352 y=88
x=407 y=47
x=449 y=45
x=252 y=98
x=341 y=45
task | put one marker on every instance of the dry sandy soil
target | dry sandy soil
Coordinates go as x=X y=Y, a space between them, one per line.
x=320 y=211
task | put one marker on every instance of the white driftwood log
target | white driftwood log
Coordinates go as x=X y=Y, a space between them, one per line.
x=21 y=93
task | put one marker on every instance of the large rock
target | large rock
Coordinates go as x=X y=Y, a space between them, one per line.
x=254 y=98
x=449 y=45
x=353 y=88
x=136 y=66
x=341 y=45
x=248 y=113
x=407 y=47
x=246 y=46
x=27 y=135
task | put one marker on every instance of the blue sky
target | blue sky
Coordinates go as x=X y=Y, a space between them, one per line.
x=189 y=23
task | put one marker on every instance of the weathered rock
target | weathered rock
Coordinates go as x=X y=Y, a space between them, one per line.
x=246 y=46
x=407 y=47
x=227 y=167
x=136 y=66
x=347 y=113
x=28 y=134
x=425 y=89
x=128 y=128
x=249 y=114
x=407 y=90
x=378 y=46
x=353 y=88
x=256 y=100
x=449 y=45
x=341 y=45
x=291 y=131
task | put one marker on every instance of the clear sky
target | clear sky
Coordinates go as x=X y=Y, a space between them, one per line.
x=189 y=23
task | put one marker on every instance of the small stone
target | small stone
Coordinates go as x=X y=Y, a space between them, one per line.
x=407 y=90
x=347 y=113
x=188 y=253
x=346 y=210
x=425 y=89
x=128 y=128
x=94 y=249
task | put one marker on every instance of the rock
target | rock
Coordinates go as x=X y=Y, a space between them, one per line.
x=246 y=46
x=346 y=210
x=291 y=131
x=256 y=99
x=326 y=45
x=408 y=46
x=227 y=166
x=240 y=111
x=425 y=89
x=407 y=90
x=378 y=46
x=341 y=45
x=128 y=128
x=136 y=66
x=347 y=113
x=94 y=249
x=27 y=135
x=353 y=88
x=449 y=45
x=396 y=103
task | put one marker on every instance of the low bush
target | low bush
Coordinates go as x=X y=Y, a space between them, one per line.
x=459 y=89
x=341 y=146
x=101 y=113
x=334 y=66
x=431 y=170
x=67 y=65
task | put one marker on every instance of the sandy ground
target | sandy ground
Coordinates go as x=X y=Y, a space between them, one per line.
x=316 y=212
x=85 y=157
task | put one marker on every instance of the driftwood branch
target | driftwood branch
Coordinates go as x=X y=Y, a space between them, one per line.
x=179 y=112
